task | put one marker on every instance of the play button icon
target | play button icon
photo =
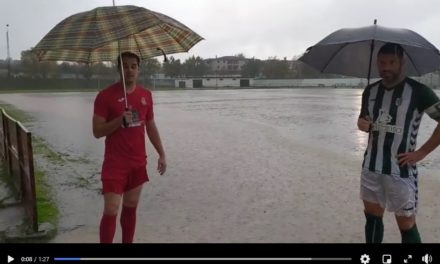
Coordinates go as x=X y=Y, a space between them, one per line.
x=10 y=259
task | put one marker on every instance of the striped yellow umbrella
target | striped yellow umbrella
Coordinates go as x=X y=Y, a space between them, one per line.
x=102 y=33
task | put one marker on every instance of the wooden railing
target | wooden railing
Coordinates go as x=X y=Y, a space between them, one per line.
x=16 y=152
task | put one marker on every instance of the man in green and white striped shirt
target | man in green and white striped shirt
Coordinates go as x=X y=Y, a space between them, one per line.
x=391 y=112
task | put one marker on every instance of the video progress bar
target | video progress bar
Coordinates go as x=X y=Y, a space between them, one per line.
x=202 y=259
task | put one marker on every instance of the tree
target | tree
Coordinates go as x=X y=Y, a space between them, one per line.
x=275 y=69
x=66 y=67
x=252 y=68
x=150 y=67
x=101 y=69
x=195 y=67
x=172 y=67
x=304 y=71
x=240 y=56
x=34 y=68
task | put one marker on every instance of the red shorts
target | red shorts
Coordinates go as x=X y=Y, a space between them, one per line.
x=118 y=179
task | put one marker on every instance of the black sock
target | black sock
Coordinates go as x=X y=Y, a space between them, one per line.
x=411 y=235
x=373 y=229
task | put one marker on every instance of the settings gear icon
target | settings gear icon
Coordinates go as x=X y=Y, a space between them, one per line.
x=365 y=259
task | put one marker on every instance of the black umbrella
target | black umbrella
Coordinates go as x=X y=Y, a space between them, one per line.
x=353 y=51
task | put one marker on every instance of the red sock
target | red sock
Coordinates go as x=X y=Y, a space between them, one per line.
x=107 y=228
x=128 y=223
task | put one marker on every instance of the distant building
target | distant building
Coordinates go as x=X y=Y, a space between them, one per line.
x=213 y=82
x=226 y=65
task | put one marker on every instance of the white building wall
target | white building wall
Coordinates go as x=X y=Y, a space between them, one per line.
x=188 y=83
x=214 y=82
x=432 y=81
x=342 y=82
x=221 y=82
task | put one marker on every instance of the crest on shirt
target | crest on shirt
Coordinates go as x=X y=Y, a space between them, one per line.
x=121 y=99
x=384 y=117
x=383 y=123
x=143 y=101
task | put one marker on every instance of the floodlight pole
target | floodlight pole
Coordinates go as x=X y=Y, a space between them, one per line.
x=8 y=58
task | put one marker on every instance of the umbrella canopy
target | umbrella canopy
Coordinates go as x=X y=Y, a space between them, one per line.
x=353 y=51
x=102 y=33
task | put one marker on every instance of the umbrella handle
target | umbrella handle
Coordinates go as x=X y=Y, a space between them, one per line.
x=165 y=59
x=124 y=121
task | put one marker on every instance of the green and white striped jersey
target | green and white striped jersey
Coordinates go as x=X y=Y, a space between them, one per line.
x=396 y=115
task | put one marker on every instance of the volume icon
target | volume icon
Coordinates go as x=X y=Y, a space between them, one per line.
x=427 y=258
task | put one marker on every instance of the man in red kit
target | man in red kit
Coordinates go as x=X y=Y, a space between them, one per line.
x=125 y=159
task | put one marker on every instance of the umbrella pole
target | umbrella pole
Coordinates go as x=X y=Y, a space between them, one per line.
x=371 y=57
x=123 y=81
x=125 y=88
x=369 y=63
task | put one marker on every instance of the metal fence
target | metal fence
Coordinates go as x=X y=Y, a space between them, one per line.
x=16 y=151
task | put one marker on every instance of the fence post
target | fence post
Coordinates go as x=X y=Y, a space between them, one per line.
x=20 y=165
x=2 y=136
x=26 y=171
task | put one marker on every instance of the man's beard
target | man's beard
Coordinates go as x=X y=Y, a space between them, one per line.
x=390 y=77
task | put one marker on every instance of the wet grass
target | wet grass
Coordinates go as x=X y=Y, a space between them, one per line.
x=42 y=148
x=80 y=160
x=46 y=206
x=15 y=113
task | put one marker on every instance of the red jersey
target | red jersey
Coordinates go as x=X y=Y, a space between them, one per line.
x=125 y=145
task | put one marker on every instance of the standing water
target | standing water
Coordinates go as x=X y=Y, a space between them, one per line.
x=257 y=165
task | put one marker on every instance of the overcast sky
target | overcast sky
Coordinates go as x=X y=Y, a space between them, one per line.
x=256 y=28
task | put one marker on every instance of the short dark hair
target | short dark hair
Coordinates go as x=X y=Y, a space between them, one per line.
x=391 y=48
x=128 y=54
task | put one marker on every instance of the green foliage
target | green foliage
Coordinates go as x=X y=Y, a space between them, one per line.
x=150 y=67
x=172 y=67
x=35 y=69
x=195 y=67
x=252 y=68
x=98 y=75
x=276 y=69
